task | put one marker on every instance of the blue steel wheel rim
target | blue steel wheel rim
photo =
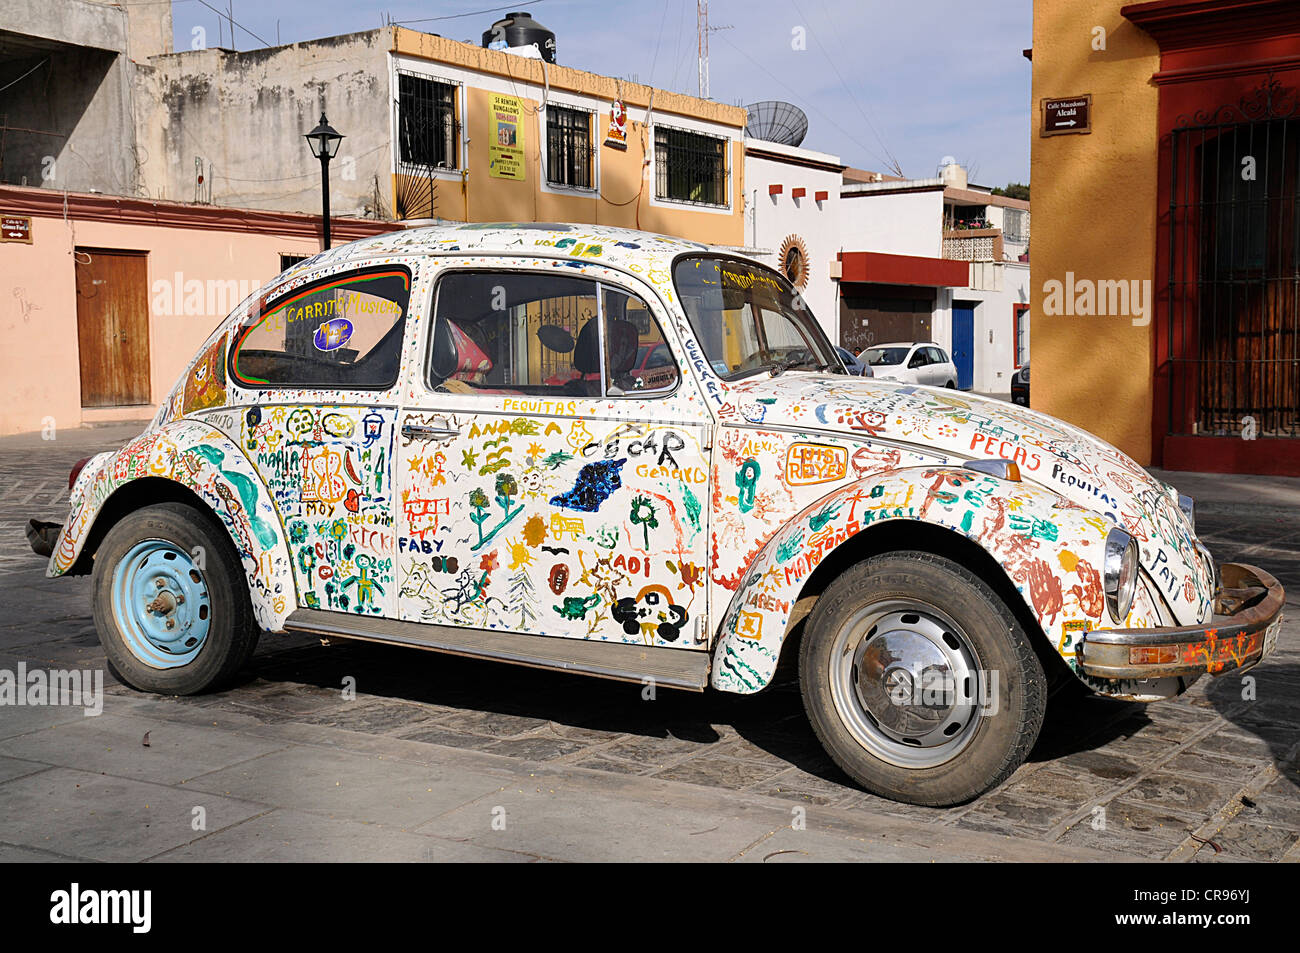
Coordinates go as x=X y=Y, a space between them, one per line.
x=161 y=604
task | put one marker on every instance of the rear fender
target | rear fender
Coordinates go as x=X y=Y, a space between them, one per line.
x=1051 y=550
x=208 y=463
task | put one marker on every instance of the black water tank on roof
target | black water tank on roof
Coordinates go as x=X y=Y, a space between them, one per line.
x=520 y=29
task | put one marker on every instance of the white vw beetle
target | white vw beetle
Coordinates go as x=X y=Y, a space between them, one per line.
x=456 y=438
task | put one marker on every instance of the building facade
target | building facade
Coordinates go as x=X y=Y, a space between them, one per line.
x=442 y=130
x=1167 y=267
x=106 y=299
x=882 y=259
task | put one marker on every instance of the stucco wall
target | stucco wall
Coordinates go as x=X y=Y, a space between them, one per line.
x=902 y=223
x=81 y=96
x=1094 y=216
x=772 y=218
x=246 y=113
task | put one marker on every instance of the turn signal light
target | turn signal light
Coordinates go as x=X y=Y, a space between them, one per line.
x=1152 y=654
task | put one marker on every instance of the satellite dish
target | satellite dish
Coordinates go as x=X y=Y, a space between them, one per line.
x=775 y=121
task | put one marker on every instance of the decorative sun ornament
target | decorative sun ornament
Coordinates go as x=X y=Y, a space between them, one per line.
x=794 y=260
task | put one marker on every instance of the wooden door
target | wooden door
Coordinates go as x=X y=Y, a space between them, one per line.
x=113 y=327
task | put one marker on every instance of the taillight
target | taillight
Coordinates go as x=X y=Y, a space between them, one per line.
x=76 y=471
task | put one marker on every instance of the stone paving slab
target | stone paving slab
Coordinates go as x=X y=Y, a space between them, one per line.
x=88 y=816
x=290 y=836
x=114 y=744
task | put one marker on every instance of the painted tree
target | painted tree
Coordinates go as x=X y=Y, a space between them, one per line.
x=479 y=501
x=522 y=599
x=643 y=512
x=507 y=487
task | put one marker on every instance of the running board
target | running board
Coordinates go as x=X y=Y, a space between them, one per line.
x=625 y=661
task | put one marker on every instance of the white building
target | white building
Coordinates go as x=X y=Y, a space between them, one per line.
x=882 y=259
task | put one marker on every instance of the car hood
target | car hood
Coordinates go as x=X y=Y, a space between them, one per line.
x=957 y=426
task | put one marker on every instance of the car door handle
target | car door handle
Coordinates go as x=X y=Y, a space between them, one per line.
x=422 y=432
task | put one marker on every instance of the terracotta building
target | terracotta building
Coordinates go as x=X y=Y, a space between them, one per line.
x=1166 y=267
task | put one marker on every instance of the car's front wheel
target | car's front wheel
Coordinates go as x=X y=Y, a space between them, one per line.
x=171 y=601
x=919 y=681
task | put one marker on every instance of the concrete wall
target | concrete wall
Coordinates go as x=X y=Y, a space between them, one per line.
x=901 y=223
x=246 y=113
x=1095 y=216
x=774 y=218
x=997 y=287
x=81 y=96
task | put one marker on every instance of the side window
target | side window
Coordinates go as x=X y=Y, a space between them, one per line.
x=540 y=333
x=937 y=355
x=637 y=359
x=341 y=333
x=918 y=358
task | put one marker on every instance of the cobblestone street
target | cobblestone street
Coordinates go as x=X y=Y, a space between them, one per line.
x=289 y=769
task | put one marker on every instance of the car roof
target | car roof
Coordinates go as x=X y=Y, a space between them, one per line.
x=619 y=247
x=904 y=344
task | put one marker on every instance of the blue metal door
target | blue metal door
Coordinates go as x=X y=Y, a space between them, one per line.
x=963 y=344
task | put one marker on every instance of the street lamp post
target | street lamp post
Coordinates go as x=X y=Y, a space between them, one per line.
x=324 y=142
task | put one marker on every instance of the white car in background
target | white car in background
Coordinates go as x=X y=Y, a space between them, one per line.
x=924 y=363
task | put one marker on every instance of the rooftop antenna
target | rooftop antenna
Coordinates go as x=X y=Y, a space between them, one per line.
x=703 y=30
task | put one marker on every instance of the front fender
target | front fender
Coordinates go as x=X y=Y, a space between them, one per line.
x=207 y=462
x=1051 y=550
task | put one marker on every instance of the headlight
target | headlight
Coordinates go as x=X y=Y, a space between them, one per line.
x=1188 y=507
x=1120 y=577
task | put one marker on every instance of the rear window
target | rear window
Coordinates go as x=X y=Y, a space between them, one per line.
x=879 y=356
x=344 y=332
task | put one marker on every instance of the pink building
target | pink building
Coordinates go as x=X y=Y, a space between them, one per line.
x=103 y=300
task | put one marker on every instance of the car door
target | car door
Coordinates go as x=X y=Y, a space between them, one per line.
x=548 y=485
x=314 y=370
x=944 y=368
x=918 y=366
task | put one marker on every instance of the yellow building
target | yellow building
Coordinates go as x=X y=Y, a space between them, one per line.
x=1166 y=263
x=676 y=168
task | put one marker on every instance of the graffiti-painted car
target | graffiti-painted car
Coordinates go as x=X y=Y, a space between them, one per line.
x=449 y=438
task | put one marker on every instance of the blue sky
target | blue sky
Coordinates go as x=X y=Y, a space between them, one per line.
x=912 y=79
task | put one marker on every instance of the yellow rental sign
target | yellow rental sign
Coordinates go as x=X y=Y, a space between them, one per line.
x=506 y=150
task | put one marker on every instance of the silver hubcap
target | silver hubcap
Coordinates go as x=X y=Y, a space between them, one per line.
x=906 y=683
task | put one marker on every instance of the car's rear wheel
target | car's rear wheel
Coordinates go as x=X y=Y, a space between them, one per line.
x=171 y=601
x=919 y=681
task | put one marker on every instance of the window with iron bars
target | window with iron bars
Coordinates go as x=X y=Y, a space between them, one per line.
x=426 y=121
x=568 y=147
x=690 y=167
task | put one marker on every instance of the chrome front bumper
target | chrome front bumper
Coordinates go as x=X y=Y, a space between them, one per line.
x=1243 y=629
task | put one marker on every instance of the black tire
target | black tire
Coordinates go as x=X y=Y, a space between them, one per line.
x=232 y=631
x=952 y=384
x=994 y=744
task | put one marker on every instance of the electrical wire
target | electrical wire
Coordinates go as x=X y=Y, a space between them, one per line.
x=25 y=75
x=474 y=13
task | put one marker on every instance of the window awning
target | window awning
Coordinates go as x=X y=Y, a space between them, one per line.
x=879 y=268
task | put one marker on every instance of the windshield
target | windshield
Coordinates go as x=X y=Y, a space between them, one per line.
x=748 y=319
x=877 y=356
